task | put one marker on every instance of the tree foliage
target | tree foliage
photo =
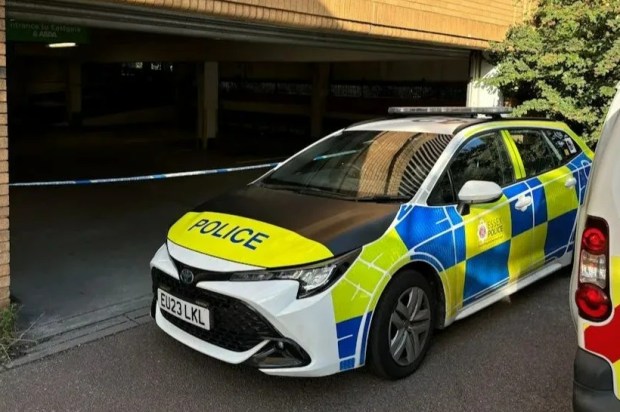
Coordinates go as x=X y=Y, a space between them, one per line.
x=562 y=62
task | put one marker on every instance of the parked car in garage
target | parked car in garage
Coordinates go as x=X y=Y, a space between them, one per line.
x=356 y=249
x=595 y=282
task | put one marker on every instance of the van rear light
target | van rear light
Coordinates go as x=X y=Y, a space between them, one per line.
x=594 y=240
x=593 y=269
x=592 y=296
x=592 y=302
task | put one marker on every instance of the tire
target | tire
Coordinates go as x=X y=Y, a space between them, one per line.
x=399 y=333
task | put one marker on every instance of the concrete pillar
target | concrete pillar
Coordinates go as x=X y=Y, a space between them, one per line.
x=478 y=94
x=320 y=90
x=74 y=92
x=208 y=88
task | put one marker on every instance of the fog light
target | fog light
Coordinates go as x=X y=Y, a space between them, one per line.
x=279 y=354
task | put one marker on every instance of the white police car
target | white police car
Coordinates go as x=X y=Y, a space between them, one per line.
x=356 y=249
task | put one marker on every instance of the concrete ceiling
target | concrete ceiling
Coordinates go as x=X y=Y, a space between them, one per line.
x=278 y=43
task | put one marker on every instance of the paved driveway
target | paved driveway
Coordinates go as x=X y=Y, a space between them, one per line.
x=514 y=356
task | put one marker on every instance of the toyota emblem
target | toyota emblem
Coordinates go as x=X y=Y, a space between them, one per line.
x=187 y=276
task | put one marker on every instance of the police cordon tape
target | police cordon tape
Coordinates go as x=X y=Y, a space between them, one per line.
x=143 y=178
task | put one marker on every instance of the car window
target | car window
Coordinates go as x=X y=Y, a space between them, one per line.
x=362 y=164
x=563 y=143
x=442 y=194
x=484 y=157
x=537 y=152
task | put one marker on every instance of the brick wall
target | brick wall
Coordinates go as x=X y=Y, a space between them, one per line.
x=4 y=172
x=466 y=23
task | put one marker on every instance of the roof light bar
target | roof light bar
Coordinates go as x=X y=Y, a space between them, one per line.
x=452 y=110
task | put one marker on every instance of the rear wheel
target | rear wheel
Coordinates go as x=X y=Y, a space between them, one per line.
x=402 y=326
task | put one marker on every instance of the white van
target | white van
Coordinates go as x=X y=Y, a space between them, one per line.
x=595 y=283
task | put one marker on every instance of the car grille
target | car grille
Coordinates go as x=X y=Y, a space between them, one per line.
x=235 y=326
x=200 y=274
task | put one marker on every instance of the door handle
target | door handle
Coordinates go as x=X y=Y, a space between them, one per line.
x=570 y=182
x=523 y=203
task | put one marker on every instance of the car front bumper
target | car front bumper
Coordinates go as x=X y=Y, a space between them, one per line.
x=593 y=384
x=252 y=320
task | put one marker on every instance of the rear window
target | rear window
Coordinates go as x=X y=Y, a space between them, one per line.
x=360 y=164
x=537 y=152
x=564 y=144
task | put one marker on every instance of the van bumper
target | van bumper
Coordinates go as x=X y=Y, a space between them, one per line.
x=593 y=389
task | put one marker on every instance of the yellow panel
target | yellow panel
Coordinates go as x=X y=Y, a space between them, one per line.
x=539 y=237
x=616 y=368
x=516 y=123
x=560 y=199
x=386 y=251
x=359 y=290
x=520 y=258
x=487 y=226
x=245 y=240
x=515 y=156
x=455 y=278
x=378 y=291
x=349 y=301
x=364 y=276
x=614 y=275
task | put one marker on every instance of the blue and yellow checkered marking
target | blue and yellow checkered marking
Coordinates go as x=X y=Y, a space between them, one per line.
x=521 y=222
x=469 y=270
x=347 y=332
x=492 y=265
x=539 y=201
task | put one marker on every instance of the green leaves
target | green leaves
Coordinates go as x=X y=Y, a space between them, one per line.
x=563 y=62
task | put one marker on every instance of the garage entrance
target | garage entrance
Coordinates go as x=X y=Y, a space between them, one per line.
x=120 y=102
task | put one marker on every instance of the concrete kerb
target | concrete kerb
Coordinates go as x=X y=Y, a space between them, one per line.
x=64 y=334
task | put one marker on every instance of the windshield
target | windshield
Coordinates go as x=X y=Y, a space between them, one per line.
x=362 y=165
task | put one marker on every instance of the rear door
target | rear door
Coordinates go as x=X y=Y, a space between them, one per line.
x=554 y=187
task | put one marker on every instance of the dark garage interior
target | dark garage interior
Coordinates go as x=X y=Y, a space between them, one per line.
x=129 y=104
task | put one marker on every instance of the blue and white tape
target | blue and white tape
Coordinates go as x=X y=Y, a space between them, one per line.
x=143 y=178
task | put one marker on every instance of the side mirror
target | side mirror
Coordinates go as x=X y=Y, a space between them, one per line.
x=478 y=191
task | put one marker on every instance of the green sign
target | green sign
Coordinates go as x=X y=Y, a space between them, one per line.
x=45 y=32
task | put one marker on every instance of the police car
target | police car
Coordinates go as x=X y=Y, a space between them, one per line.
x=356 y=249
x=595 y=283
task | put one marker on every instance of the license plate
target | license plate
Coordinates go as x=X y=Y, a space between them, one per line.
x=194 y=314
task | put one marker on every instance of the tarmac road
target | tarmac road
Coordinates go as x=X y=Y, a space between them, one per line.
x=514 y=356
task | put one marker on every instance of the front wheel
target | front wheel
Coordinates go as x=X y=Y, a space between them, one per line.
x=402 y=326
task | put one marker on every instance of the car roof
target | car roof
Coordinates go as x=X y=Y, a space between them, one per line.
x=440 y=124
x=417 y=124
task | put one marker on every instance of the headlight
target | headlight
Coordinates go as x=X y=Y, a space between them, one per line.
x=312 y=278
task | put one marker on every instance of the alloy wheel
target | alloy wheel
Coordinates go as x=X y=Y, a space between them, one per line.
x=410 y=324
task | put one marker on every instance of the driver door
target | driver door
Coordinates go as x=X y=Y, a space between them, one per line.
x=493 y=257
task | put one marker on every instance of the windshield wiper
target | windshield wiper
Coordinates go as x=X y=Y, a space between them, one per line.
x=282 y=186
x=383 y=199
